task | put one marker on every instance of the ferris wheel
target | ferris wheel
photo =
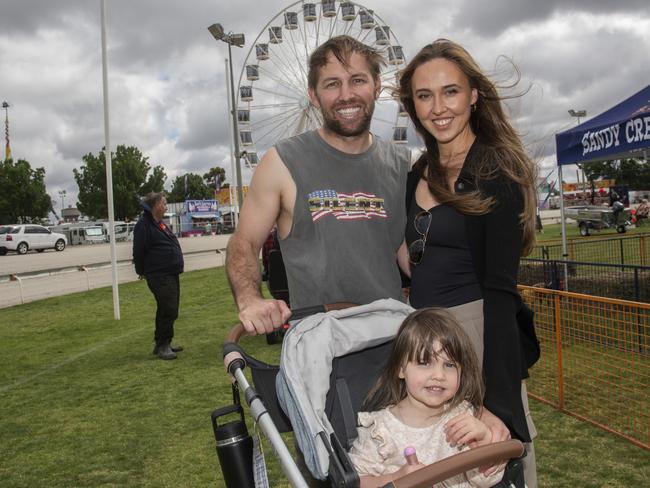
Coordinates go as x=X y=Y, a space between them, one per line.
x=272 y=97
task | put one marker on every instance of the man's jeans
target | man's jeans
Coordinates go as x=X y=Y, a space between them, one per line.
x=166 y=290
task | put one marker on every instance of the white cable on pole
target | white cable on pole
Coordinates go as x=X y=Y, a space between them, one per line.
x=109 y=170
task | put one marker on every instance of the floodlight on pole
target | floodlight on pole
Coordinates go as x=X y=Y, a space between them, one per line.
x=232 y=40
x=577 y=113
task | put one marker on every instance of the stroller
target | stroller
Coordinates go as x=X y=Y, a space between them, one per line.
x=346 y=348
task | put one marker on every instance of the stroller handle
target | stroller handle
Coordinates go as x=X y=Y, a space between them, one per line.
x=238 y=330
x=232 y=356
x=459 y=463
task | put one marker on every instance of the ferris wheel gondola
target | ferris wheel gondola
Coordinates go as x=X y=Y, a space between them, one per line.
x=272 y=98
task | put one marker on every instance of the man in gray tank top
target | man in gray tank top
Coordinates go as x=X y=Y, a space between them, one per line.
x=336 y=194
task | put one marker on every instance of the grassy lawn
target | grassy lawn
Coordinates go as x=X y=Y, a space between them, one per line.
x=606 y=246
x=553 y=232
x=86 y=404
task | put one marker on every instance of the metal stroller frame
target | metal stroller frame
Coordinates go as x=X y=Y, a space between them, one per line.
x=341 y=471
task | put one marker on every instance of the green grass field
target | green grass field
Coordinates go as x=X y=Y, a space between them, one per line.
x=86 y=404
x=553 y=232
x=606 y=246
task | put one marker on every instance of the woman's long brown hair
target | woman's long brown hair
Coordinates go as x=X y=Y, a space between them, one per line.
x=504 y=152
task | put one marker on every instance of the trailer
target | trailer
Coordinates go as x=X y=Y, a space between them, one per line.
x=81 y=233
x=591 y=217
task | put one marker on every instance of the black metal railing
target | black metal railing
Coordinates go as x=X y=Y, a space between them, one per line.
x=623 y=281
x=634 y=250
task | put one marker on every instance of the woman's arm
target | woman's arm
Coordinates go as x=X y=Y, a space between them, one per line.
x=503 y=235
x=403 y=259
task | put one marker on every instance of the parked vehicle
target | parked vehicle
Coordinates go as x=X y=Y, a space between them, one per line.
x=121 y=230
x=81 y=234
x=593 y=217
x=21 y=238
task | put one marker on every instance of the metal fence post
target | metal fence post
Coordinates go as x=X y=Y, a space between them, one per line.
x=15 y=277
x=85 y=270
x=558 y=345
x=620 y=241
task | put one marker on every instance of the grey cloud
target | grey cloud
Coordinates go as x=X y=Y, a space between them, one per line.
x=494 y=17
x=166 y=72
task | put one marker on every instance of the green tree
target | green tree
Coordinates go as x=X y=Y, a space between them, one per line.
x=23 y=197
x=630 y=172
x=131 y=181
x=189 y=186
x=155 y=182
x=214 y=176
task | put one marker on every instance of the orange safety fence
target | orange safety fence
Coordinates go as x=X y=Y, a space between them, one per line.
x=595 y=362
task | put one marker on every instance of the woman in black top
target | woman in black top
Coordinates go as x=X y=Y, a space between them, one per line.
x=471 y=204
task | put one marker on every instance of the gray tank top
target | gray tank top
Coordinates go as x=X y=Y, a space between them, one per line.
x=348 y=221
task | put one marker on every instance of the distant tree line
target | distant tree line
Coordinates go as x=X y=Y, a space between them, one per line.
x=634 y=173
x=24 y=198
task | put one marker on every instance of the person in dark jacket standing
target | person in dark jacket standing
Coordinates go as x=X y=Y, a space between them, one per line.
x=158 y=258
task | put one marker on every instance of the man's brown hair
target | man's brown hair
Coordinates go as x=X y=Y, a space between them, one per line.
x=342 y=48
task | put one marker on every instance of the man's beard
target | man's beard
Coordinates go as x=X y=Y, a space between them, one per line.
x=333 y=125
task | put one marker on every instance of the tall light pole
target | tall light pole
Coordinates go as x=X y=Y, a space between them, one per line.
x=577 y=114
x=232 y=40
x=565 y=254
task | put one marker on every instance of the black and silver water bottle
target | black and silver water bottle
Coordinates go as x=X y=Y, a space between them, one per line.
x=234 y=447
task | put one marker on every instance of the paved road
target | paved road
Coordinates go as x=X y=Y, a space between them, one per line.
x=80 y=268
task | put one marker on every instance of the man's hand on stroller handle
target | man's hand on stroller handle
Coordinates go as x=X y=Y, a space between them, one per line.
x=262 y=316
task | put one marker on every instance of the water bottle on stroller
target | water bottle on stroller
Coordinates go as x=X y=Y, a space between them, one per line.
x=234 y=445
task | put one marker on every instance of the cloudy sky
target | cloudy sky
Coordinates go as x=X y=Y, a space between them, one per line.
x=167 y=82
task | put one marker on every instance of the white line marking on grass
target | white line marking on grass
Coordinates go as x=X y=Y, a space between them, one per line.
x=67 y=361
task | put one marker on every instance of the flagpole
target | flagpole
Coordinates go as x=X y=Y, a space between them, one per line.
x=109 y=171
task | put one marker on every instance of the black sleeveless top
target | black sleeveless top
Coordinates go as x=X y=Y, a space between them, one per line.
x=445 y=277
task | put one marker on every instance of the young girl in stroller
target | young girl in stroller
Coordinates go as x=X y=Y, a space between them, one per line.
x=427 y=397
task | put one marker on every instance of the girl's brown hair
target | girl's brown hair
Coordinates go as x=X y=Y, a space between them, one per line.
x=504 y=151
x=414 y=342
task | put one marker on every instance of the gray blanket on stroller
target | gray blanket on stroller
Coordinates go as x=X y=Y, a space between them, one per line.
x=306 y=363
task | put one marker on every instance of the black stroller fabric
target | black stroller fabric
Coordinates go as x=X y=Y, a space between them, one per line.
x=352 y=377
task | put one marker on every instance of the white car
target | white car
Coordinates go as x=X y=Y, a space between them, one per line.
x=23 y=237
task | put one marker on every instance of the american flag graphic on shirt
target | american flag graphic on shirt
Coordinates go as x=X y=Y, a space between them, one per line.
x=345 y=206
